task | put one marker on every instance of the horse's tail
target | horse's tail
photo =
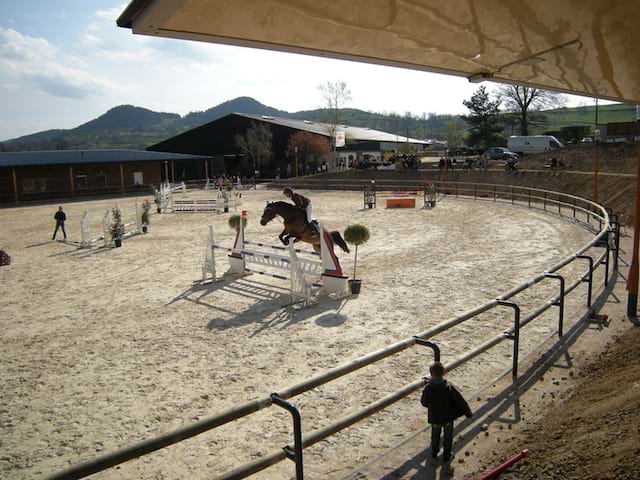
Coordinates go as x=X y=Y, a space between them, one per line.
x=338 y=240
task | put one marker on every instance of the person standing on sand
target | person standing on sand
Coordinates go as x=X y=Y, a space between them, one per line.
x=445 y=404
x=60 y=218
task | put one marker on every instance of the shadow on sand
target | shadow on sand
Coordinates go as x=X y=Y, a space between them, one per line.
x=272 y=306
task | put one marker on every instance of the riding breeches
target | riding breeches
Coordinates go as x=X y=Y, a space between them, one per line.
x=308 y=210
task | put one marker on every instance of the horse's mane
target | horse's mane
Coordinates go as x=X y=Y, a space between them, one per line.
x=281 y=204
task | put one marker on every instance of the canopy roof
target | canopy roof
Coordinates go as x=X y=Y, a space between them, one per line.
x=589 y=47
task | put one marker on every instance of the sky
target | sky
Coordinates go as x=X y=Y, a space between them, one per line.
x=65 y=62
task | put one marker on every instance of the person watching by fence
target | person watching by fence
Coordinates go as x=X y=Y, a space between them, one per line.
x=445 y=404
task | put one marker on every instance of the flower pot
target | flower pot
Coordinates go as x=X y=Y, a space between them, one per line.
x=144 y=228
x=118 y=242
x=354 y=286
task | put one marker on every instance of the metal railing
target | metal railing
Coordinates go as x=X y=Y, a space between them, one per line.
x=606 y=235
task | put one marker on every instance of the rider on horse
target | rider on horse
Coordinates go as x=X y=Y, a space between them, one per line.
x=302 y=203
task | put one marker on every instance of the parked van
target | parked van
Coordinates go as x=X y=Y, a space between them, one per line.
x=533 y=144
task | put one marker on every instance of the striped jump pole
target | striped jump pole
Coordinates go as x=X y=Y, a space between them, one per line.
x=277 y=247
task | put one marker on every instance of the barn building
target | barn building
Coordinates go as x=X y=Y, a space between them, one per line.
x=69 y=173
x=217 y=139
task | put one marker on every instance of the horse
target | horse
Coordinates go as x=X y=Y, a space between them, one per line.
x=296 y=227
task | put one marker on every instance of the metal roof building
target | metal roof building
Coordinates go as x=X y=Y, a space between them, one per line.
x=80 y=157
x=217 y=139
x=64 y=173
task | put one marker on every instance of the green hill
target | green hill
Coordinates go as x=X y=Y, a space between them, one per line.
x=577 y=116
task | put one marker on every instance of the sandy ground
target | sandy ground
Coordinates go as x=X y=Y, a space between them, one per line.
x=104 y=347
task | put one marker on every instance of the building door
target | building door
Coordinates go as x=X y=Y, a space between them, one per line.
x=138 y=178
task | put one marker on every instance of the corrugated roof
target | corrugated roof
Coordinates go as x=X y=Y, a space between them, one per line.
x=352 y=133
x=76 y=157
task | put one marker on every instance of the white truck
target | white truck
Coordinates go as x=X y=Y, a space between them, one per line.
x=533 y=144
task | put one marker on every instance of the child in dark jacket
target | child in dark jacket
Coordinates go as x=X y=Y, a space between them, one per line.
x=445 y=404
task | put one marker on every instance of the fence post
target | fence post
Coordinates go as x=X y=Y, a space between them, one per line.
x=606 y=260
x=296 y=454
x=515 y=336
x=560 y=302
x=433 y=346
x=590 y=276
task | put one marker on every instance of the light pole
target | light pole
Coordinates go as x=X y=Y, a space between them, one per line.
x=295 y=150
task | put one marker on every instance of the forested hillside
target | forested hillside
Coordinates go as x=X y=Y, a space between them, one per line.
x=127 y=126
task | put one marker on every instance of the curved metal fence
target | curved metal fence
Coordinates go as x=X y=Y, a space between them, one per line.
x=596 y=218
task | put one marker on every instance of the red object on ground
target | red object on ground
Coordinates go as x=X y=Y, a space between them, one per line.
x=500 y=468
x=598 y=316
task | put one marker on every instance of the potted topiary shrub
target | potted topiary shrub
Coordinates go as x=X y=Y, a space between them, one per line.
x=356 y=234
x=146 y=206
x=234 y=222
x=117 y=228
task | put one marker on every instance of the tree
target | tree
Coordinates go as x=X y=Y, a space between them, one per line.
x=484 y=129
x=455 y=134
x=334 y=96
x=256 y=144
x=520 y=99
x=311 y=148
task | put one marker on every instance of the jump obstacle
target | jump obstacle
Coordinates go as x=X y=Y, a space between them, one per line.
x=223 y=202
x=86 y=240
x=307 y=277
x=400 y=199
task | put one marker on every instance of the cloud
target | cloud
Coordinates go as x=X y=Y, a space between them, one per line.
x=32 y=60
x=111 y=14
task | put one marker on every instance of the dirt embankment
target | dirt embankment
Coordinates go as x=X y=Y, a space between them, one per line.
x=595 y=433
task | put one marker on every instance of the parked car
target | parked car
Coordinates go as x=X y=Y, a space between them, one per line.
x=500 y=153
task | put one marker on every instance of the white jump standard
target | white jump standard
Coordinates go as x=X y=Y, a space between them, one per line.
x=86 y=240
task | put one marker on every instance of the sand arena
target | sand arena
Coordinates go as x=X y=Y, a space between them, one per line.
x=105 y=347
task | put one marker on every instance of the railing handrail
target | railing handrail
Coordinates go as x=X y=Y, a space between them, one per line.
x=142 y=448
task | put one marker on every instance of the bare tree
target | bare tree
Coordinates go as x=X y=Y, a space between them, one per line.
x=256 y=143
x=309 y=149
x=334 y=96
x=523 y=99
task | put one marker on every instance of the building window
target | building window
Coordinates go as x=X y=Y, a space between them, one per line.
x=32 y=185
x=81 y=182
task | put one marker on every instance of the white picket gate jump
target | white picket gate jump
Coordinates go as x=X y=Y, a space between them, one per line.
x=86 y=240
x=307 y=277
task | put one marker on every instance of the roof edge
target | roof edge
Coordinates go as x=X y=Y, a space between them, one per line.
x=125 y=20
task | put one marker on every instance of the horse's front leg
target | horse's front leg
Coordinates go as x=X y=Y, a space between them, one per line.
x=284 y=237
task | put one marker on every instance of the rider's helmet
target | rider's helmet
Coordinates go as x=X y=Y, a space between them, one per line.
x=287 y=191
